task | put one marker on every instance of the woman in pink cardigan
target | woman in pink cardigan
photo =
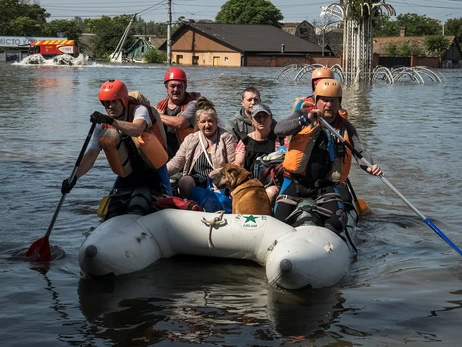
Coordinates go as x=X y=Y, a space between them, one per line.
x=203 y=151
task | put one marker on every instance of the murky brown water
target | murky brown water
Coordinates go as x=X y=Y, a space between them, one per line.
x=404 y=289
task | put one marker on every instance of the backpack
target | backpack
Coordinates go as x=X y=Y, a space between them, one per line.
x=178 y=203
x=264 y=166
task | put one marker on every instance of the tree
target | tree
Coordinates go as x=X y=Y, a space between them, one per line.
x=72 y=29
x=249 y=12
x=453 y=26
x=384 y=26
x=20 y=18
x=437 y=45
x=108 y=32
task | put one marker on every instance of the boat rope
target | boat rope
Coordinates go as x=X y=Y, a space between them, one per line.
x=214 y=223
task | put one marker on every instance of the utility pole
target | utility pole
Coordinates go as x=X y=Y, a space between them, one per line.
x=169 y=33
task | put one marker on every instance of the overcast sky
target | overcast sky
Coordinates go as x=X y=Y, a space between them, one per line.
x=293 y=10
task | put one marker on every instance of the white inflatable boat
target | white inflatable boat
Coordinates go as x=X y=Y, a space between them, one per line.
x=293 y=257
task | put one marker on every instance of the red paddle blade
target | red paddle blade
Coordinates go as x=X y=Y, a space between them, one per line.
x=40 y=250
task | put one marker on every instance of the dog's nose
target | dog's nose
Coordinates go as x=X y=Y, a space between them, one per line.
x=215 y=178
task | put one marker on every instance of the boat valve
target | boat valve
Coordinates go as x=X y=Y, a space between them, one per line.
x=91 y=251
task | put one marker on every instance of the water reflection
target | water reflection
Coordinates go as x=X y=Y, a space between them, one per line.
x=187 y=302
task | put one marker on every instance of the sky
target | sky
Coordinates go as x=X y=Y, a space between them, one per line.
x=293 y=10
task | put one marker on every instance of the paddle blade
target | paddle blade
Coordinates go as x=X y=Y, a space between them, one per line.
x=40 y=250
x=361 y=206
x=102 y=208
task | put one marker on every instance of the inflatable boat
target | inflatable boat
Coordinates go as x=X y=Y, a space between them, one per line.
x=293 y=257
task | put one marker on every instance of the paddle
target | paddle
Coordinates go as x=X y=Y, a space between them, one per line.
x=40 y=249
x=360 y=204
x=384 y=180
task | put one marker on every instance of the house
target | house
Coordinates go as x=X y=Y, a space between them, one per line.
x=213 y=44
x=302 y=29
x=451 y=58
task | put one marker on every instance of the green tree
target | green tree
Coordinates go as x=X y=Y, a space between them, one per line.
x=108 y=32
x=391 y=49
x=72 y=29
x=384 y=26
x=436 y=45
x=249 y=12
x=155 y=56
x=414 y=24
x=453 y=26
x=21 y=18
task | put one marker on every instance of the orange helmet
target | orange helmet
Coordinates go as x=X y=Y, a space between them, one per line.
x=320 y=73
x=328 y=87
x=175 y=73
x=113 y=90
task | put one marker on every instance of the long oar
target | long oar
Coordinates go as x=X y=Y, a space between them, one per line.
x=360 y=204
x=384 y=180
x=40 y=249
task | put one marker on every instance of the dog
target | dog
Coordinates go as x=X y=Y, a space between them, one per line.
x=248 y=194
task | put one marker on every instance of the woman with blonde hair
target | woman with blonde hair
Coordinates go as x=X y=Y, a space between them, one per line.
x=203 y=151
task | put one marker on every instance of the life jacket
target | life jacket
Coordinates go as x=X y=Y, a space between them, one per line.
x=162 y=108
x=299 y=102
x=122 y=150
x=302 y=146
x=254 y=149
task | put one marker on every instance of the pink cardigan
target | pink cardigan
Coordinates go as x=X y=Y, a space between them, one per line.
x=223 y=145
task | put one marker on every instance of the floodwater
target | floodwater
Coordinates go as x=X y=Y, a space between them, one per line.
x=405 y=287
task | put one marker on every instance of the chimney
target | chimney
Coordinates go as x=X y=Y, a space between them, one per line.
x=282 y=48
x=402 y=31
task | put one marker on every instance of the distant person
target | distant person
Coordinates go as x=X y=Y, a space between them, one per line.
x=203 y=151
x=177 y=118
x=241 y=124
x=136 y=174
x=317 y=75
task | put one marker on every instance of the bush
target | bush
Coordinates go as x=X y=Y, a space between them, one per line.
x=154 y=56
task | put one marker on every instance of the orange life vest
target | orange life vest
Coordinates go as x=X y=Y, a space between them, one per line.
x=120 y=148
x=162 y=108
x=302 y=145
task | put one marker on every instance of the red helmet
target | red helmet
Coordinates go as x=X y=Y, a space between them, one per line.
x=113 y=90
x=175 y=73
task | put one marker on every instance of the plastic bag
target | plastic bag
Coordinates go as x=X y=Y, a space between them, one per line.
x=211 y=200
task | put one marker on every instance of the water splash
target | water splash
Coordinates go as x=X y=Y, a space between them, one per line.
x=64 y=59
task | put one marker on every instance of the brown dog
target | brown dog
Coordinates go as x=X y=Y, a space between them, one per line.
x=248 y=195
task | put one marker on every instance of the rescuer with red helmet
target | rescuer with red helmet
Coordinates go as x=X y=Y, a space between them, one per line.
x=121 y=133
x=178 y=118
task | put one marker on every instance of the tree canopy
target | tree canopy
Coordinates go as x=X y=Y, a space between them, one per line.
x=453 y=26
x=21 y=18
x=414 y=24
x=108 y=32
x=249 y=12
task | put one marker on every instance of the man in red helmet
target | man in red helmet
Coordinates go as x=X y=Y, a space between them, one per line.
x=177 y=117
x=114 y=133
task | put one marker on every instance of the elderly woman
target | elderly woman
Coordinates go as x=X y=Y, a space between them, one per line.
x=258 y=143
x=203 y=151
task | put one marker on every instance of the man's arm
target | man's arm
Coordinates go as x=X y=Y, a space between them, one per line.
x=131 y=129
x=289 y=126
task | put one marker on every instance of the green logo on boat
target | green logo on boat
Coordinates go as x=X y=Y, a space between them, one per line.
x=251 y=221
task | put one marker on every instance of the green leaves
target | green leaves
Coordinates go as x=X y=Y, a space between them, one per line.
x=249 y=12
